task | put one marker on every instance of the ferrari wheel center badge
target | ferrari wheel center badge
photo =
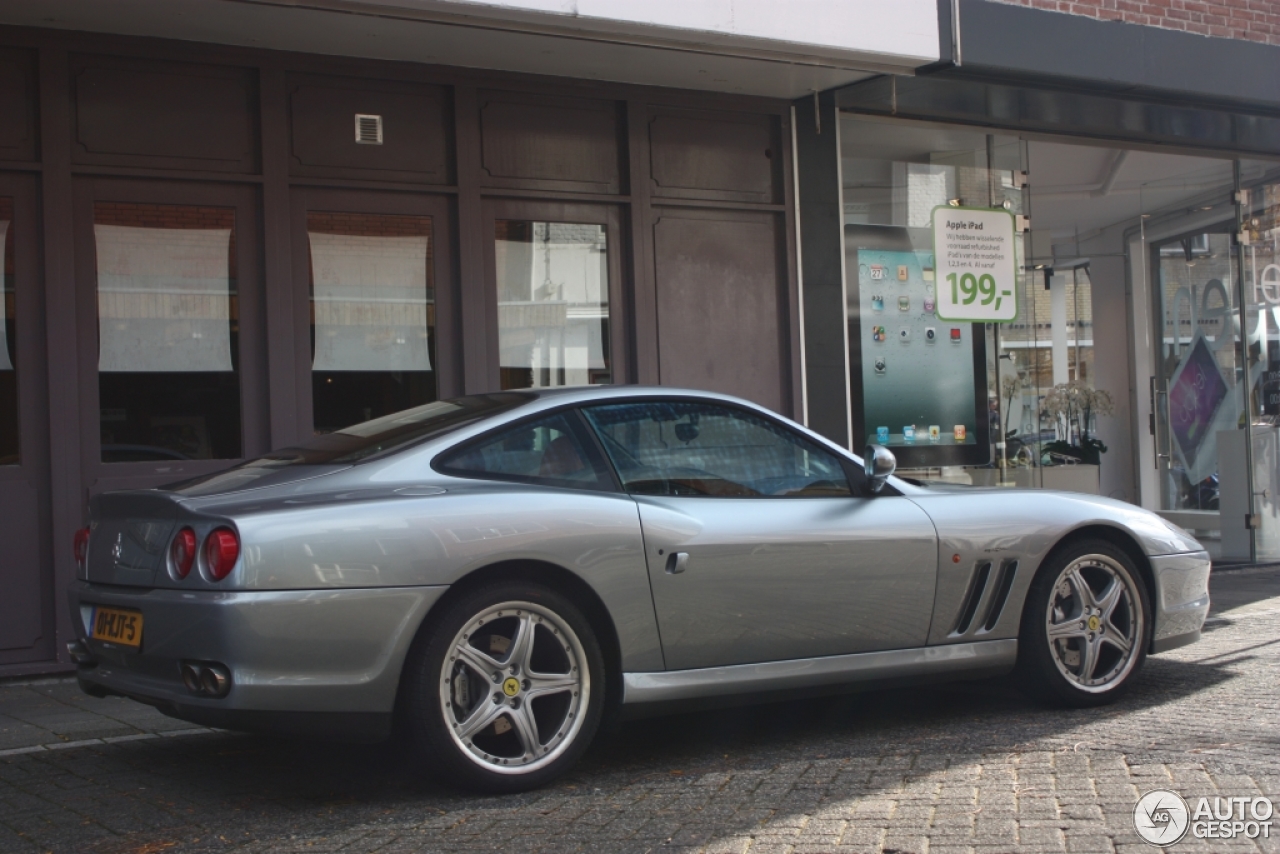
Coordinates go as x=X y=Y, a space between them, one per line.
x=1094 y=623
x=511 y=687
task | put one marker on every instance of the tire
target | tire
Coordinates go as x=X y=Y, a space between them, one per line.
x=1086 y=626
x=489 y=712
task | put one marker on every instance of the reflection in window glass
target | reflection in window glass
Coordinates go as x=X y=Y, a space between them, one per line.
x=168 y=328
x=373 y=316
x=691 y=448
x=553 y=304
x=545 y=451
x=8 y=355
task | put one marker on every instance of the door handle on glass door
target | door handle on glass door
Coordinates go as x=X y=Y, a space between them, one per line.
x=676 y=562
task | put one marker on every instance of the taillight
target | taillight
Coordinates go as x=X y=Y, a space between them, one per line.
x=182 y=553
x=221 y=548
x=81 y=548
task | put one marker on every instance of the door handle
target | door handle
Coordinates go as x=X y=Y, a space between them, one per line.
x=676 y=562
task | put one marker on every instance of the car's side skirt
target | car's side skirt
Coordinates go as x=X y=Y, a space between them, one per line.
x=970 y=659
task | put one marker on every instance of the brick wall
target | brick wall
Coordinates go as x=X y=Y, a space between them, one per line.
x=1253 y=20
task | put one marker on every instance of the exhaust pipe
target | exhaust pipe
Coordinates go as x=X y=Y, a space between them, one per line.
x=206 y=678
x=79 y=653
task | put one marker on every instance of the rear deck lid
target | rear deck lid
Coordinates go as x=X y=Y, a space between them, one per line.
x=128 y=550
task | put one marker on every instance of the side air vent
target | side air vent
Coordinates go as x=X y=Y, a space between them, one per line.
x=1003 y=585
x=977 y=588
x=368 y=129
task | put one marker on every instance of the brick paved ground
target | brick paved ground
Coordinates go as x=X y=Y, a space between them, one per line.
x=948 y=769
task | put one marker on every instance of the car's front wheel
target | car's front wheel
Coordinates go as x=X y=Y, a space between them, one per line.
x=507 y=689
x=1086 y=626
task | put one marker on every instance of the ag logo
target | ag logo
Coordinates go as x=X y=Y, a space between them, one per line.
x=1161 y=817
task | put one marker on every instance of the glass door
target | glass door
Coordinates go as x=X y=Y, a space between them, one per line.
x=1260 y=263
x=1200 y=370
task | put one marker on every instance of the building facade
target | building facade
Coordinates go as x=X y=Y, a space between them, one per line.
x=229 y=226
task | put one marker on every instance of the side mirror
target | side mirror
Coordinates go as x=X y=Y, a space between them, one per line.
x=880 y=463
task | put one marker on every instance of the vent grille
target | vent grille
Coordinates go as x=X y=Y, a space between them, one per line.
x=1003 y=584
x=977 y=588
x=368 y=129
x=987 y=595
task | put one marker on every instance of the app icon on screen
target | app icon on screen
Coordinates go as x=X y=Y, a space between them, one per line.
x=909 y=433
x=902 y=272
x=877 y=272
x=904 y=335
x=880 y=366
x=877 y=303
x=935 y=432
x=955 y=334
x=930 y=334
x=959 y=431
x=882 y=435
x=904 y=303
x=877 y=333
x=928 y=304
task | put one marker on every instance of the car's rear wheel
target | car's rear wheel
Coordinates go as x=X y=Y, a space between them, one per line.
x=506 y=690
x=1086 y=626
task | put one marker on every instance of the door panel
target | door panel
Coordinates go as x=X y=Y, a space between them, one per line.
x=723 y=305
x=774 y=579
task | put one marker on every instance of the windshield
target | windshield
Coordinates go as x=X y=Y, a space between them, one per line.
x=362 y=441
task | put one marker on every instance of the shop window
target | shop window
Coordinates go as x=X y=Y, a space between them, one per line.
x=168 y=332
x=8 y=346
x=553 y=304
x=923 y=381
x=373 y=316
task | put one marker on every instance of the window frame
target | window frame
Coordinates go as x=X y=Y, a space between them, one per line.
x=436 y=207
x=577 y=423
x=485 y=350
x=856 y=477
x=30 y=367
x=255 y=403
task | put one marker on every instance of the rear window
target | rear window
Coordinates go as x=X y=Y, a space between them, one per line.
x=371 y=438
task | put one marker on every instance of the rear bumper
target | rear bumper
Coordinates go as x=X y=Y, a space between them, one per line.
x=320 y=661
x=1181 y=600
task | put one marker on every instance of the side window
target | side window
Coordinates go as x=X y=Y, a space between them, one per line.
x=548 y=451
x=694 y=448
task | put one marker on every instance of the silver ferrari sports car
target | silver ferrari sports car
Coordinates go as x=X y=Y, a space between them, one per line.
x=495 y=574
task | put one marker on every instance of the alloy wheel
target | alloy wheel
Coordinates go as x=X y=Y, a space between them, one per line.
x=1094 y=623
x=514 y=688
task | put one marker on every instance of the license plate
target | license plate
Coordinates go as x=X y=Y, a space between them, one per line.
x=116 y=626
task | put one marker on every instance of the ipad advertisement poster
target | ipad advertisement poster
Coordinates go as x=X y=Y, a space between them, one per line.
x=920 y=394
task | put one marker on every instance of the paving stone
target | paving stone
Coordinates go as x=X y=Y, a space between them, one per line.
x=945 y=769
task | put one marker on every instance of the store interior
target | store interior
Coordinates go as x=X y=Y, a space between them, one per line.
x=1127 y=261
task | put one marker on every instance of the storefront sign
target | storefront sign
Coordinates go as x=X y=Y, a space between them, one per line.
x=977 y=271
